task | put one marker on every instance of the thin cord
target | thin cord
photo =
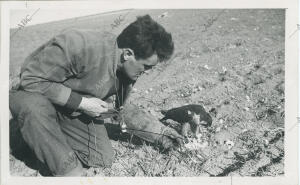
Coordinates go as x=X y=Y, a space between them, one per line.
x=95 y=134
x=117 y=93
x=115 y=85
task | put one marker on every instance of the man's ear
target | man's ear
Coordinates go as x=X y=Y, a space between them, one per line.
x=127 y=53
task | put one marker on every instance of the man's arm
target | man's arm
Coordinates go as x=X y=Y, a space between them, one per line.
x=46 y=70
x=64 y=57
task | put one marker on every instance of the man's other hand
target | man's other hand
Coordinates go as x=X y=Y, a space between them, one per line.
x=93 y=106
x=173 y=139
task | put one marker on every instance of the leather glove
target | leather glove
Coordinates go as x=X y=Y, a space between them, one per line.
x=170 y=138
x=145 y=126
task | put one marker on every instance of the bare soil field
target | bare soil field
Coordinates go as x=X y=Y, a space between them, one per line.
x=229 y=61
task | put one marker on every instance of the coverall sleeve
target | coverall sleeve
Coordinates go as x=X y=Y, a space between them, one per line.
x=44 y=72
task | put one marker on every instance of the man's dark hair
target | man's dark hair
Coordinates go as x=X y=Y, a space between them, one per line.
x=145 y=37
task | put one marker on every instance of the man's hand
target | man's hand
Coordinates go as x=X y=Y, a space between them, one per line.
x=93 y=106
x=145 y=126
x=171 y=138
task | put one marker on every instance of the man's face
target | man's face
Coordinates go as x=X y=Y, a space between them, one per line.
x=134 y=68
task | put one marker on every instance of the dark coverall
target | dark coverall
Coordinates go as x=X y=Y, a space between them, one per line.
x=53 y=80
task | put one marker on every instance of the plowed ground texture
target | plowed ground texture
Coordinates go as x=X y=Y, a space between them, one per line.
x=229 y=61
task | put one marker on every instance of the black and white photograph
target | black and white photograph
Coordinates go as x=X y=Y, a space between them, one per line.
x=148 y=92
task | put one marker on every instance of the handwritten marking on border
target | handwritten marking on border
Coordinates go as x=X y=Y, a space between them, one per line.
x=294 y=125
x=298 y=28
x=24 y=22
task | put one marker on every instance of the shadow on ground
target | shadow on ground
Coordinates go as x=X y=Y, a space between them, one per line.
x=21 y=151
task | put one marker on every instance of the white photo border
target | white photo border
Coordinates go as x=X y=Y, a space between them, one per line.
x=291 y=90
